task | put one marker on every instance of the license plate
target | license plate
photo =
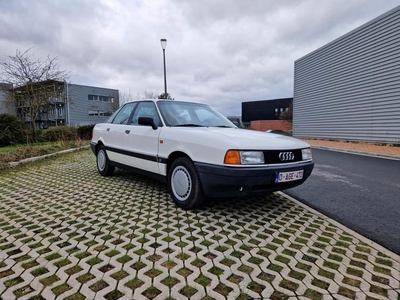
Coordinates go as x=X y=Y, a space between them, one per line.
x=288 y=176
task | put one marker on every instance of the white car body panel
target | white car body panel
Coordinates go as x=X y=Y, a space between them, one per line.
x=143 y=144
x=142 y=140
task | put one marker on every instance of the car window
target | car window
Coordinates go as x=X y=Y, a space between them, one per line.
x=145 y=109
x=206 y=117
x=123 y=115
x=191 y=114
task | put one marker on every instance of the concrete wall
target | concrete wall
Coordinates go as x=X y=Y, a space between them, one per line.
x=349 y=89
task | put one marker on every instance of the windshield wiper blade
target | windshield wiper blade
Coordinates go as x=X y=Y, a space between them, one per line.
x=189 y=125
x=224 y=126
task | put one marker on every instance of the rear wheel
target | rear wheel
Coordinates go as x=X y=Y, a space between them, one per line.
x=103 y=163
x=184 y=184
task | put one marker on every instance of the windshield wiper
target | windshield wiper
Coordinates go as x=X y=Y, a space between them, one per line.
x=189 y=125
x=224 y=126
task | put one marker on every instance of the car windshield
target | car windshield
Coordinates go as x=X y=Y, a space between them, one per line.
x=188 y=114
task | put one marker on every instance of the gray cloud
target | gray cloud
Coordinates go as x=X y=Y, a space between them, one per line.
x=218 y=52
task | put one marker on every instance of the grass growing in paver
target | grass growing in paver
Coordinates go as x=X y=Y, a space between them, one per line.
x=85 y=277
x=112 y=253
x=169 y=281
x=378 y=290
x=151 y=292
x=152 y=273
x=23 y=291
x=134 y=283
x=49 y=280
x=312 y=294
x=73 y=270
x=347 y=292
x=256 y=287
x=114 y=295
x=203 y=280
x=13 y=281
x=124 y=259
x=268 y=231
x=188 y=291
x=138 y=265
x=6 y=273
x=320 y=283
x=98 y=285
x=39 y=271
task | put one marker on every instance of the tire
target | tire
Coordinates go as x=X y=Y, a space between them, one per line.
x=184 y=184
x=103 y=163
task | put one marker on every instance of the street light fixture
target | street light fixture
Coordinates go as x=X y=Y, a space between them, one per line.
x=163 y=46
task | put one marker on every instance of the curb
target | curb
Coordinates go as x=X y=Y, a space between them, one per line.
x=371 y=154
x=36 y=158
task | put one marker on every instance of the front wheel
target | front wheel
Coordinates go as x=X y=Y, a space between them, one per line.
x=103 y=163
x=184 y=184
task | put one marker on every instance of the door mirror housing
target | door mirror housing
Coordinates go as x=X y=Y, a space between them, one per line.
x=147 y=121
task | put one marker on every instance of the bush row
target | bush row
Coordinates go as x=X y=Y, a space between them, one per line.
x=14 y=132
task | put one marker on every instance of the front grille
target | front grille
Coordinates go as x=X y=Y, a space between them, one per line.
x=272 y=156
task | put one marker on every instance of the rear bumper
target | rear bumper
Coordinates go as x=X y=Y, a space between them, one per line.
x=223 y=181
x=93 y=147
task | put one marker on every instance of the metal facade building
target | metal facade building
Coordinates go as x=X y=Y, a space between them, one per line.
x=73 y=105
x=264 y=109
x=349 y=89
x=89 y=105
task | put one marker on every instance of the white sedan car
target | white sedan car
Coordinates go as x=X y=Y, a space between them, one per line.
x=198 y=152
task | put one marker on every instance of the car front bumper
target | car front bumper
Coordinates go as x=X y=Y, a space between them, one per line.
x=223 y=181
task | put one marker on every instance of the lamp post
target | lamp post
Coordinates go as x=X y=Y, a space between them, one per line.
x=163 y=46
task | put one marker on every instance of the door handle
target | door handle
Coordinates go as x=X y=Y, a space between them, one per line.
x=108 y=129
x=127 y=131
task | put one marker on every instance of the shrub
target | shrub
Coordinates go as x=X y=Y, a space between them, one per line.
x=85 y=132
x=59 y=133
x=12 y=130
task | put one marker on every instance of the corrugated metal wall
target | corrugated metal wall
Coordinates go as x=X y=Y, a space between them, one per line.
x=349 y=89
x=79 y=105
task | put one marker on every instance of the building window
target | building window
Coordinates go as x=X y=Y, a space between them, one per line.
x=100 y=98
x=101 y=113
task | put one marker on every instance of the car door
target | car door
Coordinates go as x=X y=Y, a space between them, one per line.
x=141 y=141
x=115 y=133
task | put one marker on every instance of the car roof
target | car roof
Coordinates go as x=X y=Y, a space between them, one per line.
x=165 y=100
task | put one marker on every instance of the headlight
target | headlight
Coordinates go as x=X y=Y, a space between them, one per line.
x=234 y=157
x=306 y=154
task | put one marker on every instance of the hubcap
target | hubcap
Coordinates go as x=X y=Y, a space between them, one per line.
x=101 y=160
x=181 y=183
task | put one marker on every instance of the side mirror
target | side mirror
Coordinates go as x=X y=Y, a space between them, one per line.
x=147 y=121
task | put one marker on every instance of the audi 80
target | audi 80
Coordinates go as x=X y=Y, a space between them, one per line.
x=197 y=151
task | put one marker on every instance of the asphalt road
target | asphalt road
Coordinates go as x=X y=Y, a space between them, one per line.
x=360 y=192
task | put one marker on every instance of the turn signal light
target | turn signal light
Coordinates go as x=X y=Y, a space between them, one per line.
x=232 y=157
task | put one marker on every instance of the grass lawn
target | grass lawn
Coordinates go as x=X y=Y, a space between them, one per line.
x=18 y=152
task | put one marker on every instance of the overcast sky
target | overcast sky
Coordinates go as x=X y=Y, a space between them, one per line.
x=218 y=52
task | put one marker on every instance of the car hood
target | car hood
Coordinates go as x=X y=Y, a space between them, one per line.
x=244 y=138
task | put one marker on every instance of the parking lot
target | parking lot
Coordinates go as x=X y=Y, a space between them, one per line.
x=68 y=233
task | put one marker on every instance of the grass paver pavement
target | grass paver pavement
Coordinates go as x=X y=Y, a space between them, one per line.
x=66 y=232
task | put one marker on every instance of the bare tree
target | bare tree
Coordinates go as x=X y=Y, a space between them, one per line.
x=36 y=83
x=166 y=96
x=147 y=95
x=287 y=115
x=150 y=94
x=115 y=102
x=125 y=97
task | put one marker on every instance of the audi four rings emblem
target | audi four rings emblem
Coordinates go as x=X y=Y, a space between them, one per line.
x=286 y=156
